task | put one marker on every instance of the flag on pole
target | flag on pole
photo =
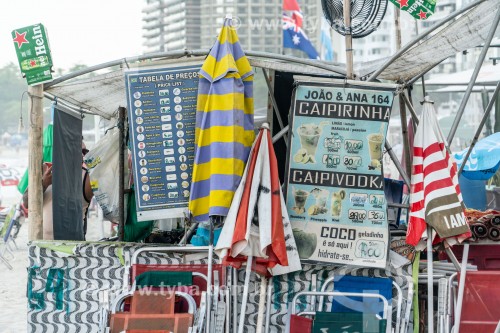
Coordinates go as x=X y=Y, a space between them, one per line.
x=295 y=38
x=326 y=41
x=419 y=9
x=293 y=9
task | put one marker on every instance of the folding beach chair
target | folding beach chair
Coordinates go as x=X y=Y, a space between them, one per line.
x=335 y=321
x=362 y=285
x=9 y=232
x=181 y=278
x=151 y=311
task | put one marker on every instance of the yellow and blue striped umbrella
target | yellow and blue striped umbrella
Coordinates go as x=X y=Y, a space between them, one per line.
x=224 y=126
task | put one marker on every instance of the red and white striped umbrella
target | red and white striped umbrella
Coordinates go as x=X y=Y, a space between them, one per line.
x=435 y=197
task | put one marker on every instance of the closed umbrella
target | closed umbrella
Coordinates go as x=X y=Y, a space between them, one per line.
x=257 y=225
x=224 y=131
x=484 y=159
x=435 y=197
x=224 y=126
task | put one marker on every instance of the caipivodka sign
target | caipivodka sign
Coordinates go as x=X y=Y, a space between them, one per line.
x=335 y=185
x=33 y=53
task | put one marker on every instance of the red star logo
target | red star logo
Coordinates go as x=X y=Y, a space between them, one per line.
x=20 y=39
x=403 y=3
x=422 y=15
x=32 y=63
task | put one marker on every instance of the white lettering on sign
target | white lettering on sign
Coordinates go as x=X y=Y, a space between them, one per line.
x=40 y=49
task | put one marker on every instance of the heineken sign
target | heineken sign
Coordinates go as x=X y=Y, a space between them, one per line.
x=419 y=9
x=33 y=53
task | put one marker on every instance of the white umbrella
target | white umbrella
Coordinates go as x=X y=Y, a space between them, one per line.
x=267 y=241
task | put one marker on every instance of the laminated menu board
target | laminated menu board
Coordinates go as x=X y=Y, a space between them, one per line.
x=334 y=179
x=162 y=116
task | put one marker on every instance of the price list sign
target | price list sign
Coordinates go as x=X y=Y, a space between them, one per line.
x=162 y=116
x=335 y=194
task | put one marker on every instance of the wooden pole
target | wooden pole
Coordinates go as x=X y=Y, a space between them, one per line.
x=397 y=23
x=35 y=144
x=402 y=106
x=348 y=40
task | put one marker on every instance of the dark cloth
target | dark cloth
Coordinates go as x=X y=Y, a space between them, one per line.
x=67 y=177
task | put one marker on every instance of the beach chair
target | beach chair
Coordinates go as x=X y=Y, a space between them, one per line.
x=322 y=321
x=151 y=311
x=9 y=232
x=361 y=285
x=178 y=277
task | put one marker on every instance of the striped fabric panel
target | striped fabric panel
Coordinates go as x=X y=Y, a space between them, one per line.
x=219 y=166
x=224 y=126
x=222 y=150
x=205 y=87
x=226 y=56
x=435 y=194
x=236 y=134
x=227 y=118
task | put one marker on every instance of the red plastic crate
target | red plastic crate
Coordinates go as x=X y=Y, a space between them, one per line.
x=485 y=257
x=481 y=304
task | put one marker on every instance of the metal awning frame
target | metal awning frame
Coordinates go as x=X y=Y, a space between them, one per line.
x=262 y=60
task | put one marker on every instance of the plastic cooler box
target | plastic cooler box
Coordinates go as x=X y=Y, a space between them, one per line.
x=485 y=257
x=481 y=304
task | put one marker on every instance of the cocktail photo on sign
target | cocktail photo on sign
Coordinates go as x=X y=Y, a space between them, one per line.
x=334 y=182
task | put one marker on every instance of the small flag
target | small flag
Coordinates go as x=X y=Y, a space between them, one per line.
x=295 y=38
x=419 y=9
x=292 y=6
x=326 y=41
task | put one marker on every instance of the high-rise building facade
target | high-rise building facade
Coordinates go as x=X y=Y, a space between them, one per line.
x=170 y=25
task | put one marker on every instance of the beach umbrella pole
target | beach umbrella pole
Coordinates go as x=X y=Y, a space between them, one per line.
x=234 y=271
x=243 y=311
x=268 y=304
x=209 y=273
x=430 y=283
x=262 y=304
x=461 y=288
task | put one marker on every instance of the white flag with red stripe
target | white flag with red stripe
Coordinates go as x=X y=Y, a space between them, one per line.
x=435 y=197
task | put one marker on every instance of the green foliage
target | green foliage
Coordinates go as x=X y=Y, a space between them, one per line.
x=13 y=86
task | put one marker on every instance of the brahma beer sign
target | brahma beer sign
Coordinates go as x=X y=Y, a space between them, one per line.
x=335 y=184
x=33 y=53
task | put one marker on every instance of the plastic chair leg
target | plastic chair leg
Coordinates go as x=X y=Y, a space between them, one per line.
x=8 y=250
x=5 y=262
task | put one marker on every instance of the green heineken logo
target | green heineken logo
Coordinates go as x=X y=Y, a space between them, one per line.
x=419 y=9
x=33 y=53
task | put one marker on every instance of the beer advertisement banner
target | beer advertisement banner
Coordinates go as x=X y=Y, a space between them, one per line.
x=162 y=117
x=33 y=53
x=335 y=194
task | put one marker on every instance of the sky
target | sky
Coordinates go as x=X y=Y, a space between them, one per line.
x=86 y=32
